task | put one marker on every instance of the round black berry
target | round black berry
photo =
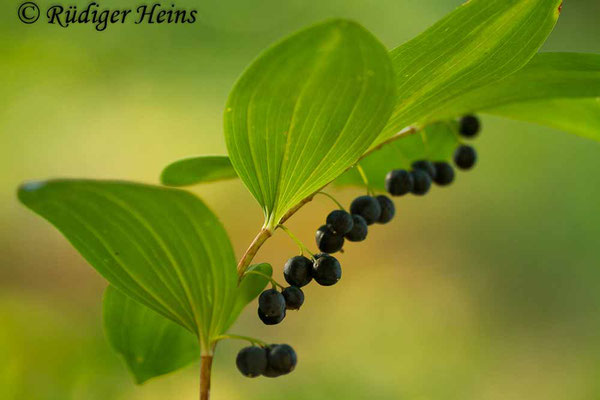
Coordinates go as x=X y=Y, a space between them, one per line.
x=367 y=207
x=444 y=173
x=469 y=126
x=387 y=209
x=281 y=359
x=465 y=157
x=271 y=303
x=294 y=297
x=297 y=271
x=252 y=361
x=328 y=241
x=422 y=182
x=327 y=270
x=398 y=182
x=359 y=230
x=271 y=320
x=340 y=222
x=426 y=166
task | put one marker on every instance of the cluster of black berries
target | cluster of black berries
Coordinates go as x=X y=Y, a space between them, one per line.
x=270 y=361
x=418 y=181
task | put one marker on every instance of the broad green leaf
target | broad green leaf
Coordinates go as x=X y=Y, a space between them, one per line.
x=162 y=247
x=578 y=116
x=435 y=142
x=150 y=344
x=190 y=171
x=479 y=43
x=306 y=110
x=250 y=287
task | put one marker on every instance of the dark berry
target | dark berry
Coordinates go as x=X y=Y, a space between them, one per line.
x=340 y=222
x=271 y=303
x=328 y=241
x=281 y=358
x=426 y=166
x=398 y=182
x=444 y=173
x=294 y=297
x=252 y=361
x=469 y=126
x=422 y=182
x=297 y=271
x=387 y=209
x=359 y=230
x=270 y=320
x=367 y=207
x=327 y=270
x=465 y=157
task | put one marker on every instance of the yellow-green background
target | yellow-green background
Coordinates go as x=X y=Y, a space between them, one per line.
x=486 y=290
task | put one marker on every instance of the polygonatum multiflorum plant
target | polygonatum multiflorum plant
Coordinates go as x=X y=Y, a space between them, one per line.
x=327 y=105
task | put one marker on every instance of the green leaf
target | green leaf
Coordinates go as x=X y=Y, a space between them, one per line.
x=202 y=169
x=306 y=110
x=479 y=43
x=250 y=287
x=578 y=116
x=435 y=142
x=162 y=247
x=150 y=344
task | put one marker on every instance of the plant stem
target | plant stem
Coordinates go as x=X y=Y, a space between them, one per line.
x=301 y=245
x=273 y=281
x=240 y=337
x=256 y=244
x=333 y=199
x=364 y=178
x=205 y=368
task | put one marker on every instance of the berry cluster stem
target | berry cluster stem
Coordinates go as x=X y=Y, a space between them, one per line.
x=273 y=281
x=333 y=199
x=240 y=337
x=301 y=245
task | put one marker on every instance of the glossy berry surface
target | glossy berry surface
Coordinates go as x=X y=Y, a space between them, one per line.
x=444 y=173
x=398 y=182
x=294 y=297
x=359 y=230
x=328 y=241
x=426 y=166
x=388 y=210
x=367 y=207
x=271 y=320
x=327 y=270
x=469 y=126
x=281 y=358
x=297 y=271
x=251 y=361
x=422 y=182
x=271 y=303
x=340 y=222
x=465 y=157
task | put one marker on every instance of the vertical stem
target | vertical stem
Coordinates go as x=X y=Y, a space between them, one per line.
x=258 y=241
x=205 y=367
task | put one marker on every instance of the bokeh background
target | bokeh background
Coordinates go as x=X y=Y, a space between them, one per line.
x=489 y=289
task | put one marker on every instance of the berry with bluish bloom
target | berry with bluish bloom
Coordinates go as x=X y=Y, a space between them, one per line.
x=271 y=303
x=281 y=359
x=444 y=173
x=398 y=182
x=251 y=361
x=328 y=241
x=465 y=157
x=469 y=126
x=422 y=182
x=340 y=222
x=426 y=166
x=367 y=207
x=297 y=271
x=270 y=320
x=359 y=230
x=326 y=270
x=294 y=297
x=388 y=210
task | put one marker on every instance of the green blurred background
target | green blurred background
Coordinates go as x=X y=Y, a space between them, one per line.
x=489 y=289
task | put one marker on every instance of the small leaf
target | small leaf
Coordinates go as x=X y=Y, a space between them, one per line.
x=479 y=43
x=202 y=169
x=150 y=344
x=250 y=287
x=435 y=142
x=306 y=110
x=162 y=247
